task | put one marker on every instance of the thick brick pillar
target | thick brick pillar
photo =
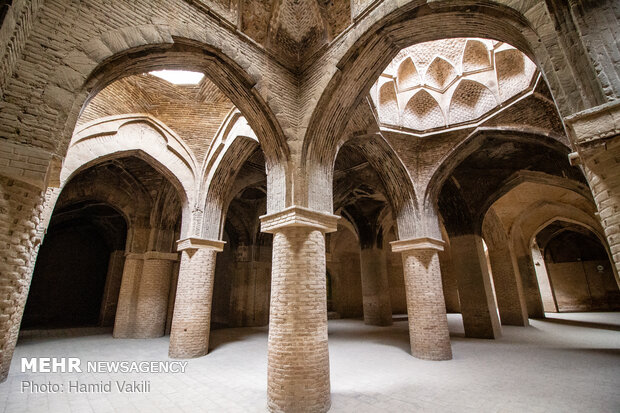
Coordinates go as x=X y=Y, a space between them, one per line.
x=480 y=317
x=128 y=296
x=426 y=308
x=298 y=358
x=152 y=300
x=544 y=283
x=375 y=288
x=524 y=269
x=112 y=288
x=21 y=206
x=596 y=135
x=191 y=320
x=508 y=289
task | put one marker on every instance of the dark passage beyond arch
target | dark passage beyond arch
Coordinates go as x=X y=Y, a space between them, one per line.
x=71 y=269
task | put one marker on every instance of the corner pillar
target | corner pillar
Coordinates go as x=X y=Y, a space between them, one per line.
x=428 y=324
x=191 y=320
x=298 y=357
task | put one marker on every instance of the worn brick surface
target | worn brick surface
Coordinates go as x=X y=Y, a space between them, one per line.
x=191 y=321
x=428 y=325
x=298 y=359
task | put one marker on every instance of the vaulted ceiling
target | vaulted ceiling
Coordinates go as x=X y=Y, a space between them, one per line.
x=290 y=29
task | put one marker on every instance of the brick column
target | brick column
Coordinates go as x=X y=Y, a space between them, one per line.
x=546 y=290
x=375 y=288
x=426 y=308
x=128 y=296
x=480 y=317
x=21 y=207
x=191 y=320
x=152 y=300
x=298 y=358
x=596 y=135
x=112 y=288
x=524 y=269
x=508 y=289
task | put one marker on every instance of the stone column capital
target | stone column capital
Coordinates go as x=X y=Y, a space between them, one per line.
x=423 y=243
x=591 y=126
x=296 y=216
x=193 y=243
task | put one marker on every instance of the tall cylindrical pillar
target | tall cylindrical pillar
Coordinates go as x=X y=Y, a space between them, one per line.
x=298 y=357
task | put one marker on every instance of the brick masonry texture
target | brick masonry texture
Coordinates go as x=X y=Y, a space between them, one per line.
x=298 y=358
x=477 y=303
x=191 y=321
x=428 y=324
x=289 y=122
x=21 y=206
x=375 y=287
x=152 y=300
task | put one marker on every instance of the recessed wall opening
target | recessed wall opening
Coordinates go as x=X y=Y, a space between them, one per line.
x=575 y=266
x=71 y=284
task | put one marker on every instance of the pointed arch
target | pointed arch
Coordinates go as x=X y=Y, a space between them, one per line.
x=514 y=72
x=476 y=56
x=388 y=104
x=470 y=101
x=407 y=75
x=422 y=112
x=440 y=74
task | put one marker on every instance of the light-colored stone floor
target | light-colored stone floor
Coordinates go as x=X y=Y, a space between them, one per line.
x=567 y=363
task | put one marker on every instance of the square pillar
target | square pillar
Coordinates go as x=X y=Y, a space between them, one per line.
x=480 y=317
x=191 y=320
x=298 y=357
x=508 y=289
x=426 y=309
